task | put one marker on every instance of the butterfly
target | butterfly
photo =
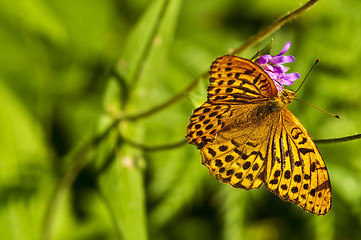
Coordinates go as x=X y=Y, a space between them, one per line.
x=248 y=138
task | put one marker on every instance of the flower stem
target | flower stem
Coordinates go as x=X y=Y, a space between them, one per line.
x=273 y=27
x=167 y=103
x=249 y=43
x=78 y=158
x=155 y=148
x=149 y=44
x=336 y=140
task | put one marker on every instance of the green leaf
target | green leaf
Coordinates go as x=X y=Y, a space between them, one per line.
x=37 y=17
x=123 y=192
x=112 y=99
x=25 y=184
x=184 y=185
x=266 y=50
x=233 y=211
x=145 y=55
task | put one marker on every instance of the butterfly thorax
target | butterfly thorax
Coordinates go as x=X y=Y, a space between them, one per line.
x=275 y=104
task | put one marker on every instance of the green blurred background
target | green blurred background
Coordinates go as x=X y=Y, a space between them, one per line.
x=69 y=70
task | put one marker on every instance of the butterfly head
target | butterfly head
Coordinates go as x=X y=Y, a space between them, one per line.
x=281 y=101
x=286 y=96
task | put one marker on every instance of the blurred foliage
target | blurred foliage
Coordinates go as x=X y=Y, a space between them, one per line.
x=71 y=70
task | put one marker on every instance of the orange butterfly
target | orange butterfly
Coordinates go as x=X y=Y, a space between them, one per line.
x=248 y=138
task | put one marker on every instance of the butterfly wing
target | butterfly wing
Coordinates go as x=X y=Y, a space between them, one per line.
x=234 y=81
x=237 y=156
x=295 y=170
x=210 y=119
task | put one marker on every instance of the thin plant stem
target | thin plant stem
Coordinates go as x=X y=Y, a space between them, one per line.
x=249 y=43
x=336 y=140
x=148 y=148
x=61 y=189
x=273 y=27
x=165 y=104
x=148 y=46
x=145 y=147
x=78 y=155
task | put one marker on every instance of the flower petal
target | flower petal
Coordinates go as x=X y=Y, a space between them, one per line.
x=286 y=82
x=280 y=69
x=268 y=67
x=272 y=65
x=263 y=60
x=285 y=48
x=271 y=75
x=291 y=76
x=282 y=59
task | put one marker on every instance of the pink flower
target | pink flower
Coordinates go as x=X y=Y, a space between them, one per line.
x=274 y=68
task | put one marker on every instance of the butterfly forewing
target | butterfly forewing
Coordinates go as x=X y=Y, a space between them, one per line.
x=237 y=80
x=234 y=81
x=206 y=121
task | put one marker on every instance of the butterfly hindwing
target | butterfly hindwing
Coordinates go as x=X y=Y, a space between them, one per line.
x=295 y=170
x=210 y=119
x=237 y=156
x=206 y=121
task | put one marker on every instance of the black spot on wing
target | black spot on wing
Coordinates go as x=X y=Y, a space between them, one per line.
x=305 y=150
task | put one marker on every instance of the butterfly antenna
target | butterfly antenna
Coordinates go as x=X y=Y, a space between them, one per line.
x=307 y=75
x=334 y=115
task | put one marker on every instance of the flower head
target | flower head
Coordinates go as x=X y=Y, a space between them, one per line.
x=274 y=68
